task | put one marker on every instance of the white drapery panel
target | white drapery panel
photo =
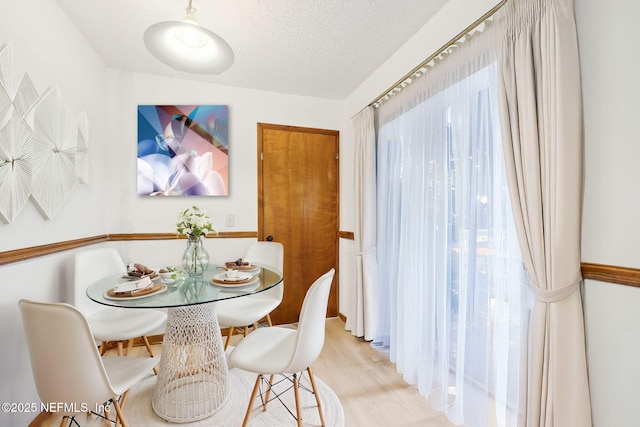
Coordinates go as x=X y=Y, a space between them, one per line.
x=541 y=113
x=454 y=298
x=362 y=315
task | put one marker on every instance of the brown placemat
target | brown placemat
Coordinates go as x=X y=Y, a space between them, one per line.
x=155 y=287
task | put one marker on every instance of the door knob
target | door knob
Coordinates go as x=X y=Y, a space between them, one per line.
x=269 y=238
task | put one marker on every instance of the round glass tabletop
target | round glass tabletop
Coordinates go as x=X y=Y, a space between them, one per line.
x=188 y=290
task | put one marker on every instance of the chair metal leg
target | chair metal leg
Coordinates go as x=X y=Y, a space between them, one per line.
x=253 y=396
x=315 y=392
x=297 y=394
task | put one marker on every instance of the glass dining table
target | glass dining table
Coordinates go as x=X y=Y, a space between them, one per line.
x=193 y=376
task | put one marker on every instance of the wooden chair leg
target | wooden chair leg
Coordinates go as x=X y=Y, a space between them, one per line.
x=269 y=320
x=228 y=340
x=150 y=351
x=40 y=419
x=315 y=392
x=297 y=394
x=123 y=398
x=129 y=346
x=62 y=422
x=253 y=396
x=108 y=417
x=146 y=344
x=267 y=394
x=246 y=330
x=119 y=414
x=120 y=349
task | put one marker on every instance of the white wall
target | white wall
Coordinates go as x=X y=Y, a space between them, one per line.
x=53 y=53
x=47 y=46
x=246 y=108
x=611 y=229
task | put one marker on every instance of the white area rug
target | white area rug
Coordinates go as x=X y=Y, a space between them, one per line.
x=138 y=411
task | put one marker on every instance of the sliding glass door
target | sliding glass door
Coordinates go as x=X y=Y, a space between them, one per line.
x=454 y=297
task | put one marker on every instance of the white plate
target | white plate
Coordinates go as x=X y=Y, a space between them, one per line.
x=252 y=285
x=231 y=284
x=240 y=276
x=252 y=271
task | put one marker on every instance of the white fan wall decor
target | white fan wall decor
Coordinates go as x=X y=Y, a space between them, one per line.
x=16 y=168
x=43 y=146
x=54 y=141
x=82 y=157
x=17 y=95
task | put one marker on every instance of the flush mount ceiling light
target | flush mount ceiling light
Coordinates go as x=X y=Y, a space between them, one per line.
x=186 y=46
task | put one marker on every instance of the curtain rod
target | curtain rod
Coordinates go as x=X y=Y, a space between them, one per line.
x=447 y=45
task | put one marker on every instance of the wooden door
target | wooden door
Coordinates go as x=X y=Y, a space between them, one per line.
x=298 y=207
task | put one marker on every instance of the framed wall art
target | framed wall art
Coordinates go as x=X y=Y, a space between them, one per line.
x=183 y=150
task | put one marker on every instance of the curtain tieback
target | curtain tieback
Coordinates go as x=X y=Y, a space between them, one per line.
x=558 y=294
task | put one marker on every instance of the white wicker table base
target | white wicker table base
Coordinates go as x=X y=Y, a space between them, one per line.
x=193 y=379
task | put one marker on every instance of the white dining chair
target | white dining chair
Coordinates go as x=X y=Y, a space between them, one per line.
x=111 y=324
x=240 y=313
x=285 y=351
x=68 y=370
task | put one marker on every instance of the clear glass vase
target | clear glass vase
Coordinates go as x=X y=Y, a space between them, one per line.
x=195 y=259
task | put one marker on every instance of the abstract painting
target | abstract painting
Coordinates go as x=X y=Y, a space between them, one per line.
x=183 y=150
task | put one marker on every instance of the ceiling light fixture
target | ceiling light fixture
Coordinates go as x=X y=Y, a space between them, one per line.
x=186 y=46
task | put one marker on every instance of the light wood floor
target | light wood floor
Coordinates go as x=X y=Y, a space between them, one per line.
x=371 y=392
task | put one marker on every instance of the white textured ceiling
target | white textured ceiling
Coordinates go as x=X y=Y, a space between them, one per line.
x=320 y=48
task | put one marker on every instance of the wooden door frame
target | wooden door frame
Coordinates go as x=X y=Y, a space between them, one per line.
x=261 y=233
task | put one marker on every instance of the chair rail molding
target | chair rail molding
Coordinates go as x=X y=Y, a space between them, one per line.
x=590 y=271
x=22 y=254
x=611 y=274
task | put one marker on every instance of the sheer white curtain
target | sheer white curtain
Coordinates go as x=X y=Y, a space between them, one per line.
x=454 y=298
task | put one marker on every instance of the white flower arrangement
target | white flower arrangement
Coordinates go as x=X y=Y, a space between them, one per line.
x=194 y=222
